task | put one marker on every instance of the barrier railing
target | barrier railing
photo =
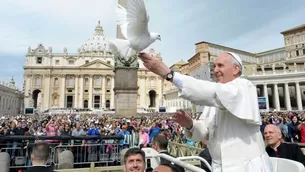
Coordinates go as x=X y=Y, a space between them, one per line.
x=25 y=138
x=20 y=148
x=101 y=153
x=85 y=154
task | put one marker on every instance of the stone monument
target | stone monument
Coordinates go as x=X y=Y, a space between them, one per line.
x=125 y=81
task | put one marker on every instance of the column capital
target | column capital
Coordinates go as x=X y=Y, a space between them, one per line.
x=47 y=75
x=297 y=82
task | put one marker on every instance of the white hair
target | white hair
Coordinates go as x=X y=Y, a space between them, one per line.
x=235 y=62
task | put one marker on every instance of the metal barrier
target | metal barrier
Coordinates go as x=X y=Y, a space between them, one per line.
x=85 y=154
x=98 y=152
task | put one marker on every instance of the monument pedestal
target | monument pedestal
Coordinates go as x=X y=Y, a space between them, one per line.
x=126 y=92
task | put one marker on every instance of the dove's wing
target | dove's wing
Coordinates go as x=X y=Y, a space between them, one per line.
x=137 y=19
x=119 y=47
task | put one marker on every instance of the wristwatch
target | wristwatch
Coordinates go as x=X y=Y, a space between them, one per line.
x=170 y=75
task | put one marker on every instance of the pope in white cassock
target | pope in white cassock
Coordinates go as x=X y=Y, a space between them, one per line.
x=230 y=118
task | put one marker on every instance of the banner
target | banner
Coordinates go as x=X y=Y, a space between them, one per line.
x=262 y=103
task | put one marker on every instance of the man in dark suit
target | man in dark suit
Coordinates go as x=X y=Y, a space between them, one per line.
x=160 y=143
x=39 y=158
x=205 y=154
x=276 y=147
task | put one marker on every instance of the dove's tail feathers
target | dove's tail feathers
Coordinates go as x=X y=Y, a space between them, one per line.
x=120 y=47
x=112 y=47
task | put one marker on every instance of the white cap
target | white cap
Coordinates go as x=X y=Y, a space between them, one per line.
x=236 y=57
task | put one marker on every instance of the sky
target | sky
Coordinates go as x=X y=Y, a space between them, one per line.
x=252 y=26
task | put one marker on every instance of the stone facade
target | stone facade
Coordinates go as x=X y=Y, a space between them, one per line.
x=82 y=80
x=11 y=99
x=279 y=74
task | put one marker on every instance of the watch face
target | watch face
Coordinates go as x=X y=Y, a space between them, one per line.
x=170 y=76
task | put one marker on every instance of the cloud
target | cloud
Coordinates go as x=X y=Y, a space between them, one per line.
x=52 y=22
x=268 y=36
x=247 y=25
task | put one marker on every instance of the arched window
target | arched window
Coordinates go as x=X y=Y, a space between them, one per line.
x=98 y=80
x=37 y=81
x=108 y=104
x=56 y=82
x=86 y=82
x=70 y=81
x=152 y=98
x=152 y=82
x=108 y=82
x=86 y=104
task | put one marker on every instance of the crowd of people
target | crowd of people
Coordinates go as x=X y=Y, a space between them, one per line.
x=292 y=124
x=138 y=131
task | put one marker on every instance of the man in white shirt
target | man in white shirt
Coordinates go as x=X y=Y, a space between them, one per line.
x=231 y=118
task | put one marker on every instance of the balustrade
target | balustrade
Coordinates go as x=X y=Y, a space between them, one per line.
x=274 y=71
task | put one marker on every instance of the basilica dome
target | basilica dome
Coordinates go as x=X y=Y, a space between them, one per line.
x=96 y=43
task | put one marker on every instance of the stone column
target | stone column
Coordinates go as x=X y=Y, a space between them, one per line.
x=28 y=92
x=90 y=92
x=298 y=95
x=112 y=93
x=81 y=92
x=46 y=88
x=4 y=104
x=62 y=92
x=276 y=100
x=159 y=102
x=104 y=91
x=143 y=93
x=287 y=97
x=161 y=92
x=266 y=95
x=76 y=92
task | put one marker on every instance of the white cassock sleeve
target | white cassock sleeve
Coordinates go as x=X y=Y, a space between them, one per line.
x=239 y=96
x=200 y=129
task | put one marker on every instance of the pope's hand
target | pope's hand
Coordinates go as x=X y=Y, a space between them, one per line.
x=183 y=119
x=155 y=65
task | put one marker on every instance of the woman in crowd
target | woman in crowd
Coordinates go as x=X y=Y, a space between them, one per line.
x=293 y=129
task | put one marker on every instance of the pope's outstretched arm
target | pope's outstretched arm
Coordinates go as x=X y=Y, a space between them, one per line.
x=197 y=91
x=239 y=96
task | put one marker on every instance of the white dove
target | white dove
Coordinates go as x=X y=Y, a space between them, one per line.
x=133 y=22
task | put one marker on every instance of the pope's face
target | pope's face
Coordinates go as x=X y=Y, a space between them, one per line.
x=224 y=70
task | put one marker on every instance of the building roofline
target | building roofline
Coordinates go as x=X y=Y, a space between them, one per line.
x=234 y=49
x=192 y=57
x=269 y=51
x=293 y=29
